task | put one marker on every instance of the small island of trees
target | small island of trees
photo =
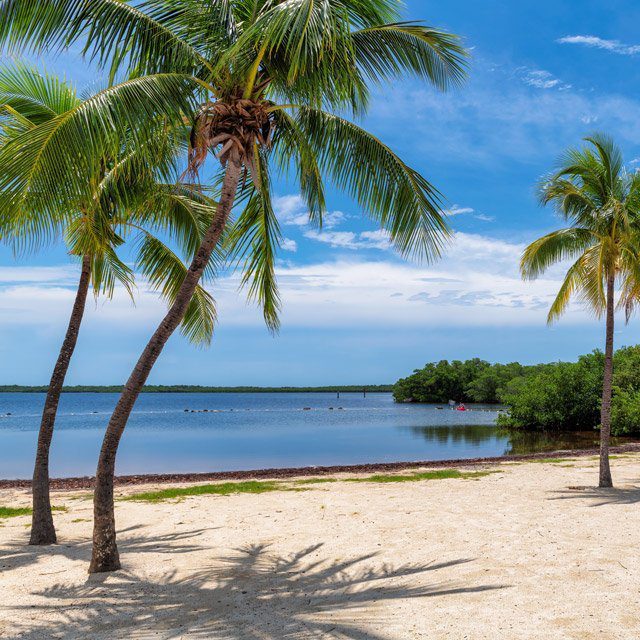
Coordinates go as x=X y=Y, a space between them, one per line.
x=558 y=396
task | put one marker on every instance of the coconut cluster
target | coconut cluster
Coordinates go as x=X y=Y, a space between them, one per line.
x=236 y=126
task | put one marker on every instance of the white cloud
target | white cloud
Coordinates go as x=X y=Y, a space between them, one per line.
x=57 y=275
x=291 y=210
x=614 y=46
x=541 y=79
x=350 y=240
x=456 y=210
x=288 y=206
x=477 y=283
x=289 y=245
x=332 y=219
x=48 y=306
x=380 y=238
x=336 y=239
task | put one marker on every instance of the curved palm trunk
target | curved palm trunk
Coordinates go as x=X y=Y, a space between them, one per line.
x=105 y=555
x=42 y=529
x=605 y=412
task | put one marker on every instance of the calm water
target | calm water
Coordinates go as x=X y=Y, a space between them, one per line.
x=252 y=431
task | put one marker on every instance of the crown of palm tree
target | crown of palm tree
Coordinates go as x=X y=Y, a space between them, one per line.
x=592 y=191
x=122 y=200
x=266 y=81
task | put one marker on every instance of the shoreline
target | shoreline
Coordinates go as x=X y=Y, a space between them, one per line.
x=86 y=482
x=187 y=389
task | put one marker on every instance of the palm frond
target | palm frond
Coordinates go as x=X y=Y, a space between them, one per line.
x=392 y=193
x=107 y=270
x=610 y=157
x=139 y=35
x=165 y=273
x=572 y=282
x=183 y=214
x=387 y=51
x=254 y=241
x=304 y=49
x=555 y=247
x=34 y=95
x=291 y=147
x=74 y=144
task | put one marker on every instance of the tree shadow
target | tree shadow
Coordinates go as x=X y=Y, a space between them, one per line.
x=16 y=556
x=250 y=595
x=599 y=497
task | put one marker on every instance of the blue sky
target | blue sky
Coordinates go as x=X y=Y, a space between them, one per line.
x=543 y=75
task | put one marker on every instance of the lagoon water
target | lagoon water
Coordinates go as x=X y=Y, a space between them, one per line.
x=254 y=431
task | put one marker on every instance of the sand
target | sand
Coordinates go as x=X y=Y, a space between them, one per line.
x=521 y=553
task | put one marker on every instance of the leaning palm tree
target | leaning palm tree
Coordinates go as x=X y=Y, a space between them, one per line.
x=267 y=86
x=601 y=201
x=112 y=206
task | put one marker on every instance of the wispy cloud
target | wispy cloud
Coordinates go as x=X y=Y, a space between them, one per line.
x=542 y=79
x=66 y=274
x=497 y=119
x=291 y=210
x=614 y=46
x=350 y=240
x=289 y=245
x=457 y=210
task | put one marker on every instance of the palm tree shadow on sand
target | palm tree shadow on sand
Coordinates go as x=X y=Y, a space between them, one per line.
x=17 y=556
x=250 y=595
x=599 y=497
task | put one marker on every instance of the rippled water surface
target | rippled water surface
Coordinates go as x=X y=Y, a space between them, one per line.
x=256 y=430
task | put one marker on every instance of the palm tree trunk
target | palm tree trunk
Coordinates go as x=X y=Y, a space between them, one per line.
x=42 y=529
x=605 y=412
x=105 y=555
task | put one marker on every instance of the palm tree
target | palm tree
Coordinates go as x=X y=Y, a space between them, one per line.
x=601 y=201
x=107 y=211
x=267 y=86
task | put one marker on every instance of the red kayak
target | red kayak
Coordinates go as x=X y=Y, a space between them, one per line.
x=461 y=408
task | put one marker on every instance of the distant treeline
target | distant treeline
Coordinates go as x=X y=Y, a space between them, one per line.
x=560 y=396
x=182 y=388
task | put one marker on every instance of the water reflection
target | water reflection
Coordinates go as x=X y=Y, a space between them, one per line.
x=511 y=442
x=467 y=434
x=524 y=442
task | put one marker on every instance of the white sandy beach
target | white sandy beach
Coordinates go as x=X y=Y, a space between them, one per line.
x=516 y=554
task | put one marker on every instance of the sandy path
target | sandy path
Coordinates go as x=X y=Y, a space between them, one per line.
x=516 y=554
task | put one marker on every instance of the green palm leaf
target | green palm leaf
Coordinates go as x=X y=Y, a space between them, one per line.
x=141 y=36
x=555 y=247
x=74 y=143
x=392 y=193
x=386 y=51
x=165 y=273
x=254 y=240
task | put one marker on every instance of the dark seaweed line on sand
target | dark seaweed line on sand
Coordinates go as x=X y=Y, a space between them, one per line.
x=86 y=482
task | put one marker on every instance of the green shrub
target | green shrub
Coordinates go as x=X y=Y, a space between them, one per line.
x=560 y=397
